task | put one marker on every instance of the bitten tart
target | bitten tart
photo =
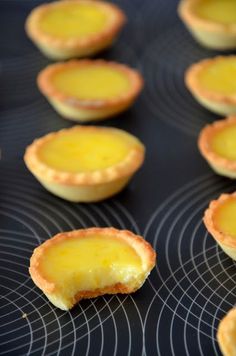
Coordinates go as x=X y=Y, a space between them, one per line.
x=217 y=144
x=85 y=163
x=211 y=82
x=89 y=90
x=220 y=221
x=211 y=22
x=90 y=262
x=74 y=28
x=226 y=334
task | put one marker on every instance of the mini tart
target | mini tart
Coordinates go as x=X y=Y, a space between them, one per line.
x=85 y=164
x=220 y=222
x=74 y=28
x=217 y=144
x=90 y=262
x=211 y=83
x=89 y=90
x=211 y=22
x=226 y=334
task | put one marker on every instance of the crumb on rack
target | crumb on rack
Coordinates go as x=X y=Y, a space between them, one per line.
x=24 y=315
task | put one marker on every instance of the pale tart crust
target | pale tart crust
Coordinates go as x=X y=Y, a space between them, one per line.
x=226 y=333
x=82 y=110
x=220 y=165
x=208 y=33
x=59 y=48
x=85 y=186
x=213 y=101
x=53 y=292
x=225 y=241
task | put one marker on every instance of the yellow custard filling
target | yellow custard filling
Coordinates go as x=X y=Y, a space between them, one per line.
x=220 y=11
x=89 y=263
x=223 y=142
x=67 y=20
x=218 y=76
x=91 y=82
x=80 y=151
x=225 y=217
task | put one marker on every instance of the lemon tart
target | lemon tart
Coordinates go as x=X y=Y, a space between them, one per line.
x=226 y=334
x=90 y=262
x=220 y=221
x=217 y=144
x=211 y=83
x=74 y=28
x=211 y=22
x=88 y=90
x=85 y=164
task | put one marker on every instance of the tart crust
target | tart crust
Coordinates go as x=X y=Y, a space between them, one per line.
x=220 y=165
x=58 y=48
x=83 y=110
x=219 y=103
x=208 y=33
x=85 y=186
x=226 y=333
x=54 y=292
x=225 y=241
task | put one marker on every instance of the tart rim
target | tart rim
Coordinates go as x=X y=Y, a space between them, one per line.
x=187 y=13
x=141 y=247
x=204 y=146
x=193 y=84
x=115 y=16
x=50 y=91
x=220 y=237
x=223 y=329
x=124 y=168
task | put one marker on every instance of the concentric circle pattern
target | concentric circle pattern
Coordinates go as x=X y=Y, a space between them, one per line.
x=178 y=309
x=194 y=285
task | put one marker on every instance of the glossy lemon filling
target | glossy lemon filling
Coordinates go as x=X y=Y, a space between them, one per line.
x=91 y=82
x=79 y=151
x=224 y=143
x=218 y=76
x=220 y=11
x=225 y=217
x=67 y=20
x=89 y=263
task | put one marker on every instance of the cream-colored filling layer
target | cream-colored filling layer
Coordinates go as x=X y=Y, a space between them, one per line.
x=218 y=76
x=89 y=263
x=220 y=11
x=223 y=142
x=85 y=151
x=91 y=82
x=73 y=20
x=225 y=217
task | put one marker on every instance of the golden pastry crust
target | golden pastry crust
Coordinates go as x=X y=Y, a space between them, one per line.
x=211 y=34
x=220 y=164
x=85 y=186
x=225 y=241
x=141 y=247
x=58 y=48
x=226 y=334
x=96 y=108
x=216 y=102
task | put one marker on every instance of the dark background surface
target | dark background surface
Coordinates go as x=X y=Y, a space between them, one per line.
x=178 y=309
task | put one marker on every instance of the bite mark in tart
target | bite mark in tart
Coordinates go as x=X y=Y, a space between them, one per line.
x=226 y=334
x=211 y=83
x=89 y=90
x=74 y=28
x=217 y=144
x=85 y=164
x=90 y=262
x=211 y=22
x=220 y=222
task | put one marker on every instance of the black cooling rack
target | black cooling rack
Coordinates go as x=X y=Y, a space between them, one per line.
x=178 y=309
